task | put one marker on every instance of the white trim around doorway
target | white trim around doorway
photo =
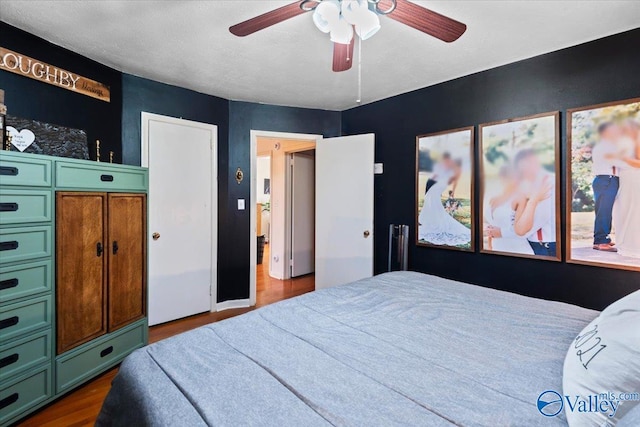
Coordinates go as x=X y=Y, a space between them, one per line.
x=253 y=245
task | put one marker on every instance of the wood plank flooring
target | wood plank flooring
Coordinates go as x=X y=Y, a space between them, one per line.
x=81 y=407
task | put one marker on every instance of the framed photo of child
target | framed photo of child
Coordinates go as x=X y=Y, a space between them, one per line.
x=445 y=190
x=603 y=185
x=520 y=187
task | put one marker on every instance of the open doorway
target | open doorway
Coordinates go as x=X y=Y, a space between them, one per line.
x=285 y=207
x=283 y=165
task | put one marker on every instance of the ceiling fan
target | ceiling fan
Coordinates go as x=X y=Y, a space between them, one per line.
x=341 y=18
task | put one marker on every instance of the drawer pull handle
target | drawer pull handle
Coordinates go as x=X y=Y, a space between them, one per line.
x=115 y=247
x=9 y=360
x=11 y=321
x=8 y=170
x=8 y=207
x=9 y=246
x=8 y=284
x=106 y=178
x=13 y=398
x=107 y=351
x=99 y=249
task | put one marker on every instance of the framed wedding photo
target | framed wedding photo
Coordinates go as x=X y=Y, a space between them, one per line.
x=444 y=190
x=603 y=185
x=520 y=187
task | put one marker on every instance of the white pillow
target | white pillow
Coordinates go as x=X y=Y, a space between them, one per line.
x=601 y=380
x=631 y=418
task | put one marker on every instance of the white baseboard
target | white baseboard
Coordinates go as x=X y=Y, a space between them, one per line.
x=235 y=303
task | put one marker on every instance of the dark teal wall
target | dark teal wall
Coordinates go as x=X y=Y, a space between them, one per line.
x=600 y=71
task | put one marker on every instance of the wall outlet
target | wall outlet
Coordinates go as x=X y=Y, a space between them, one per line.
x=240 y=204
x=378 y=168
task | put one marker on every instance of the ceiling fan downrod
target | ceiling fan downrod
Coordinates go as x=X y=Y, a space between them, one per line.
x=309 y=5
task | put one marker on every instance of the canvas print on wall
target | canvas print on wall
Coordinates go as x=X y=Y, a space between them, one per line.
x=603 y=189
x=520 y=193
x=444 y=182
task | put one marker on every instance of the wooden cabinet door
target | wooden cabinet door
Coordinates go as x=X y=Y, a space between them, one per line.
x=127 y=258
x=81 y=280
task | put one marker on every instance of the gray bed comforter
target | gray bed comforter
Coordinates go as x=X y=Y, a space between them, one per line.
x=397 y=349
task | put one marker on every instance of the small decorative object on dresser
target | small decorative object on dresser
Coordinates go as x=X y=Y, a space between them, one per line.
x=94 y=245
x=35 y=137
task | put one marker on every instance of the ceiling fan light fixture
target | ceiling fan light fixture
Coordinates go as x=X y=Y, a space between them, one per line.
x=326 y=15
x=342 y=32
x=368 y=24
x=353 y=10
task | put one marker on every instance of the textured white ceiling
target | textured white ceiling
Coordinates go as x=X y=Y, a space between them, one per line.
x=187 y=43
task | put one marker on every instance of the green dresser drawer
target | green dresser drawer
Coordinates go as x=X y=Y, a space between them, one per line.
x=24 y=354
x=23 y=206
x=23 y=393
x=22 y=170
x=25 y=317
x=79 y=365
x=96 y=177
x=23 y=280
x=21 y=244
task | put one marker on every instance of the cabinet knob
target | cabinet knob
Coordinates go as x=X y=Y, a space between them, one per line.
x=155 y=236
x=366 y=233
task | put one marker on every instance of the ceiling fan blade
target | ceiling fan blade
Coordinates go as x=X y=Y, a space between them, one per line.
x=425 y=20
x=342 y=56
x=268 y=19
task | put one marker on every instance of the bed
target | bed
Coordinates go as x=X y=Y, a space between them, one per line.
x=397 y=349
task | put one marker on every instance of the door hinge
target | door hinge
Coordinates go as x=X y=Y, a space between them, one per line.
x=210 y=289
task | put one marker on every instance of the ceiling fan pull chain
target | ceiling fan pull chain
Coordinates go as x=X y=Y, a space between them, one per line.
x=359 y=100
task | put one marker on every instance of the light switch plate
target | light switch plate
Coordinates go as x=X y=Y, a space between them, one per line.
x=240 y=204
x=378 y=168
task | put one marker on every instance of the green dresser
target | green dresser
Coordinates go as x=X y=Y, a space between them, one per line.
x=32 y=373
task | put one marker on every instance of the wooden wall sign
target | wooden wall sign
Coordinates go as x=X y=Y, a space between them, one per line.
x=21 y=64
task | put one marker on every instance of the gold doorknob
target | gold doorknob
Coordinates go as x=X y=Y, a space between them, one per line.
x=155 y=236
x=366 y=233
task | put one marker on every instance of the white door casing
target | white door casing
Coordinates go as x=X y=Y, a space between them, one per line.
x=253 y=140
x=181 y=156
x=302 y=214
x=344 y=209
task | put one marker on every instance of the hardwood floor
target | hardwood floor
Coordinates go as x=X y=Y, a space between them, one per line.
x=81 y=407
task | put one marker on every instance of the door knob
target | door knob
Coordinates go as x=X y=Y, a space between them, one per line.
x=366 y=233
x=155 y=236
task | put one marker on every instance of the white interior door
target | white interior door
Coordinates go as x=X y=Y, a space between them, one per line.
x=182 y=216
x=302 y=213
x=344 y=209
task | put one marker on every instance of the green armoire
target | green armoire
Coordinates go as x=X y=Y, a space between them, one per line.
x=73 y=268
